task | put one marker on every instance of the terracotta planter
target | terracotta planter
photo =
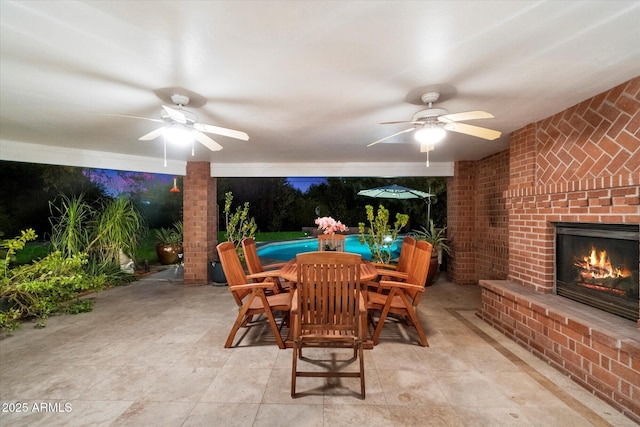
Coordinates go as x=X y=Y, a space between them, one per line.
x=433 y=270
x=168 y=254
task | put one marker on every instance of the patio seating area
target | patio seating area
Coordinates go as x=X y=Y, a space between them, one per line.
x=152 y=353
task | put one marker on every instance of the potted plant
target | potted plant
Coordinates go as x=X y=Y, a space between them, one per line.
x=239 y=224
x=169 y=247
x=379 y=236
x=438 y=239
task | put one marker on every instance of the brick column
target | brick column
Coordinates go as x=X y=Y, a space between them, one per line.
x=461 y=200
x=200 y=218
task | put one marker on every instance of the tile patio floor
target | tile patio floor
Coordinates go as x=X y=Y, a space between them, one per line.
x=151 y=354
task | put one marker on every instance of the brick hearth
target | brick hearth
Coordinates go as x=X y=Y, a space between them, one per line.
x=579 y=165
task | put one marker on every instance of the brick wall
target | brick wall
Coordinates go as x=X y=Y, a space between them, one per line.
x=461 y=198
x=580 y=165
x=477 y=225
x=200 y=218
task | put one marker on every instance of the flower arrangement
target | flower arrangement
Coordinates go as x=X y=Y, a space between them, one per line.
x=330 y=225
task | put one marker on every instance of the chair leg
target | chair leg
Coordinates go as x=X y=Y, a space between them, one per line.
x=294 y=369
x=362 y=387
x=242 y=319
x=272 y=320
x=234 y=330
x=383 y=317
x=418 y=326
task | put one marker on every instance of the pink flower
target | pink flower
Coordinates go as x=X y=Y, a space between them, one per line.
x=330 y=225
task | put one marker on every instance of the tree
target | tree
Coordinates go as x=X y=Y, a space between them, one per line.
x=27 y=189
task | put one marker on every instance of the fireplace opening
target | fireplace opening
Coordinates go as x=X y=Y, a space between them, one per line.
x=597 y=264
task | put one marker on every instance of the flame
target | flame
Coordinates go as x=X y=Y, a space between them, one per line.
x=597 y=265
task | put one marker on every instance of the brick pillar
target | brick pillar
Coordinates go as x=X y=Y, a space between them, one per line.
x=200 y=218
x=461 y=201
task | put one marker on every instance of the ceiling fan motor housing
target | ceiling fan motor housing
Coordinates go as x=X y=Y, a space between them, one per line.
x=429 y=113
x=179 y=99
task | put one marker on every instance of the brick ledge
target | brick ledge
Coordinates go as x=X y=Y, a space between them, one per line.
x=604 y=327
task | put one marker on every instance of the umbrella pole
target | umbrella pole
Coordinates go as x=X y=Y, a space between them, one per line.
x=428 y=209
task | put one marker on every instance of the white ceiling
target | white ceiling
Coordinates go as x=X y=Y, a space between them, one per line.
x=309 y=81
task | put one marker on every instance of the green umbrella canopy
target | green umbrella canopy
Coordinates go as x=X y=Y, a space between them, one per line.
x=394 y=191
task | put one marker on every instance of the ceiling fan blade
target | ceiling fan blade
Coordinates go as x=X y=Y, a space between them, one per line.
x=206 y=141
x=402 y=121
x=132 y=117
x=477 y=131
x=176 y=116
x=391 y=136
x=221 y=131
x=467 y=115
x=152 y=135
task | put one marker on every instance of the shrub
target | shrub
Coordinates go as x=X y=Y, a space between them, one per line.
x=379 y=236
x=39 y=289
x=239 y=225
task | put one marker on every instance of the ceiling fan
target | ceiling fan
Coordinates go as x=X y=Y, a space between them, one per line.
x=181 y=125
x=432 y=123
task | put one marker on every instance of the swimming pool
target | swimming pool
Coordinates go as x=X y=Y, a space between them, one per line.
x=287 y=250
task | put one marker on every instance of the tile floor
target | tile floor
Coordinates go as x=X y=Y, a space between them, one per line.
x=151 y=354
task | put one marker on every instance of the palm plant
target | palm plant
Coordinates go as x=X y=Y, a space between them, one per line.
x=436 y=236
x=171 y=236
x=70 y=224
x=118 y=227
x=103 y=232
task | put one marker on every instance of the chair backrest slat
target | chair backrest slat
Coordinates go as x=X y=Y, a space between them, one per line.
x=233 y=271
x=328 y=290
x=251 y=256
x=417 y=274
x=406 y=254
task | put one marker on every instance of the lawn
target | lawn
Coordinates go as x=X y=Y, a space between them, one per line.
x=146 y=248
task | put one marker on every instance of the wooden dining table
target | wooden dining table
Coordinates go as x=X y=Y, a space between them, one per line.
x=289 y=271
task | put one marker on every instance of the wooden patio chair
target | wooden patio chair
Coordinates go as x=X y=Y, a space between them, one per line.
x=402 y=298
x=331 y=242
x=395 y=271
x=328 y=310
x=260 y=272
x=251 y=297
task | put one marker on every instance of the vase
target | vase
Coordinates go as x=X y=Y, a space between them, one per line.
x=168 y=253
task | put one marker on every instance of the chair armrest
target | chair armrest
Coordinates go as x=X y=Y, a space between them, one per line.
x=388 y=284
x=383 y=265
x=294 y=302
x=264 y=275
x=251 y=286
x=362 y=305
x=397 y=275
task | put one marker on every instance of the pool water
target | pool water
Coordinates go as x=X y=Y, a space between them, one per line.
x=286 y=250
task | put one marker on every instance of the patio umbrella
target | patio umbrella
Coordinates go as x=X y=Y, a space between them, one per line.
x=399 y=192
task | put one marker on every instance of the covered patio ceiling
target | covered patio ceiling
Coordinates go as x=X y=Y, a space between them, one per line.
x=308 y=81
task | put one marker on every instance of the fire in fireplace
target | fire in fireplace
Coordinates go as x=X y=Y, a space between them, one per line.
x=597 y=264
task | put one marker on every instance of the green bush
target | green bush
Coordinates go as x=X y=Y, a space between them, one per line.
x=379 y=235
x=239 y=224
x=43 y=287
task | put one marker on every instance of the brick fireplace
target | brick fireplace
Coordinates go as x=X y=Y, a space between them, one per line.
x=581 y=165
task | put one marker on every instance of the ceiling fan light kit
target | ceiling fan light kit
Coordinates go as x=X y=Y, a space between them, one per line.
x=432 y=124
x=182 y=127
x=178 y=134
x=430 y=135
